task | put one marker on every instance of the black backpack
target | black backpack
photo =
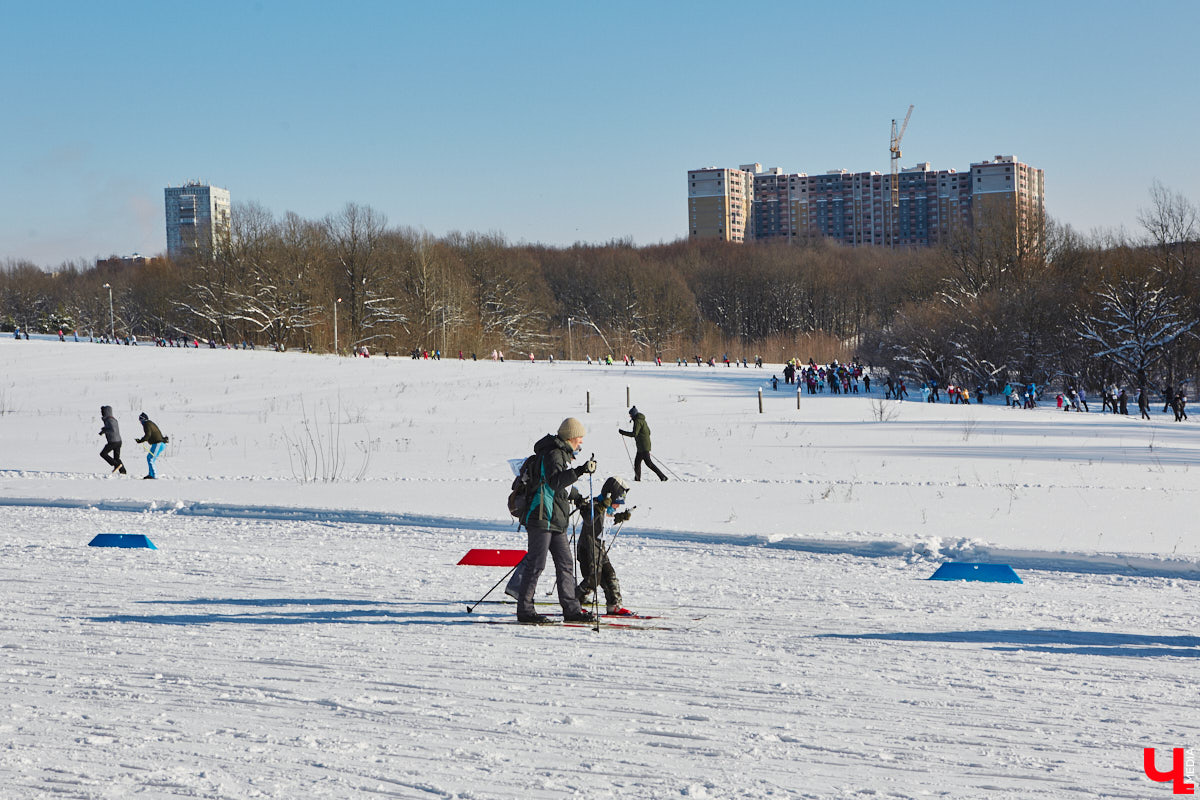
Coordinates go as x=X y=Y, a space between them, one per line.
x=521 y=495
x=531 y=496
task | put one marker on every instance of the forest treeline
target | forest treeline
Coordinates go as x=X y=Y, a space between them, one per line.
x=989 y=306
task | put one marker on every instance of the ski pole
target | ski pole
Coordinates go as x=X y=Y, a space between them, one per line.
x=626 y=445
x=472 y=607
x=667 y=468
x=596 y=566
x=574 y=552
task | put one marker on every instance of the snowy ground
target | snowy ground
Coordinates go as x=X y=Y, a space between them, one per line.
x=295 y=639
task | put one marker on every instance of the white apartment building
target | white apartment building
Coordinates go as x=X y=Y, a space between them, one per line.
x=198 y=217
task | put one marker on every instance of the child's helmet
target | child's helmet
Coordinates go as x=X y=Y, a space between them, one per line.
x=613 y=491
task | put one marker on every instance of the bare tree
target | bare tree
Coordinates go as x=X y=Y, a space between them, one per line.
x=355 y=238
x=1172 y=223
x=510 y=296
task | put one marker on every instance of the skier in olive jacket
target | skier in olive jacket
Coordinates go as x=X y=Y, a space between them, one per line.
x=112 y=434
x=152 y=436
x=641 y=437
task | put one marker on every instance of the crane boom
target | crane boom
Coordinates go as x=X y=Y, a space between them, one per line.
x=894 y=149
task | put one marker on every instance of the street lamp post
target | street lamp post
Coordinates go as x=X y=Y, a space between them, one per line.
x=335 y=342
x=570 y=343
x=112 y=325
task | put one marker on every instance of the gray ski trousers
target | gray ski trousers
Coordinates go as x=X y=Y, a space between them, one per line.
x=530 y=569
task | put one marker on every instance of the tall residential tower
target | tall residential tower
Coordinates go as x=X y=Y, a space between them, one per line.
x=197 y=217
x=719 y=202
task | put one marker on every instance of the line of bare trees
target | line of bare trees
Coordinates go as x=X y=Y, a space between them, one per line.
x=996 y=303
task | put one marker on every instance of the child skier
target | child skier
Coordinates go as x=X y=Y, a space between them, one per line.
x=156 y=441
x=591 y=550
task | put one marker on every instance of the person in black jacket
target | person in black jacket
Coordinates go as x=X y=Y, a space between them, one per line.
x=594 y=566
x=1143 y=404
x=641 y=438
x=156 y=441
x=112 y=435
x=546 y=523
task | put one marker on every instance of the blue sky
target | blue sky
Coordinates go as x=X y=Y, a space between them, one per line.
x=559 y=122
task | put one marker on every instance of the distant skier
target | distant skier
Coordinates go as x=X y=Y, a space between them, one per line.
x=152 y=436
x=594 y=565
x=641 y=438
x=1143 y=403
x=1179 y=406
x=112 y=434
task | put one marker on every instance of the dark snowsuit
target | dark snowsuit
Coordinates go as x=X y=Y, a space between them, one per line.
x=591 y=547
x=112 y=434
x=641 y=438
x=546 y=526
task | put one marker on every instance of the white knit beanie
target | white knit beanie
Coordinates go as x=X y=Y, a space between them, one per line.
x=571 y=428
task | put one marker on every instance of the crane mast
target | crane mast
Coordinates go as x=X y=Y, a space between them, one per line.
x=894 y=148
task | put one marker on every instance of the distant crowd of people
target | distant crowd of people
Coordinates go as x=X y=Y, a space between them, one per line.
x=834 y=377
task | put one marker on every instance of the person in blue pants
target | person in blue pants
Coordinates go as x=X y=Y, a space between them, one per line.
x=155 y=441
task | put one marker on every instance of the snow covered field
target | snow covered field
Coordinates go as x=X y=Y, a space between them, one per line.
x=301 y=639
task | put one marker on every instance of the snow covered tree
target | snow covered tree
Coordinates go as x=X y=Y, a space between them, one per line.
x=509 y=295
x=1134 y=322
x=212 y=285
x=280 y=265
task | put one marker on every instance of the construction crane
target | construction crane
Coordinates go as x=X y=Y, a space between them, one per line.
x=895 y=149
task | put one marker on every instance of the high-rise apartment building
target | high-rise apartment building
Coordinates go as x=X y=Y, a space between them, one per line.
x=197 y=217
x=719 y=202
x=1004 y=188
x=856 y=208
x=771 y=214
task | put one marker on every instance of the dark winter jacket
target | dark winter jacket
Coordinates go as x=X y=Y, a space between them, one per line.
x=555 y=460
x=110 y=430
x=640 y=433
x=591 y=519
x=152 y=434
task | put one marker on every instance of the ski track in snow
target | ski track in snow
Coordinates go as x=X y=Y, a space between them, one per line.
x=859 y=543
x=309 y=640
x=290 y=659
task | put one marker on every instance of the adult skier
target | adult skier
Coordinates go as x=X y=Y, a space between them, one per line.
x=594 y=565
x=641 y=438
x=112 y=434
x=546 y=523
x=1143 y=404
x=152 y=436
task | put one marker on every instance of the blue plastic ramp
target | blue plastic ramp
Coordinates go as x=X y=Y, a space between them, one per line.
x=963 y=571
x=121 y=540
